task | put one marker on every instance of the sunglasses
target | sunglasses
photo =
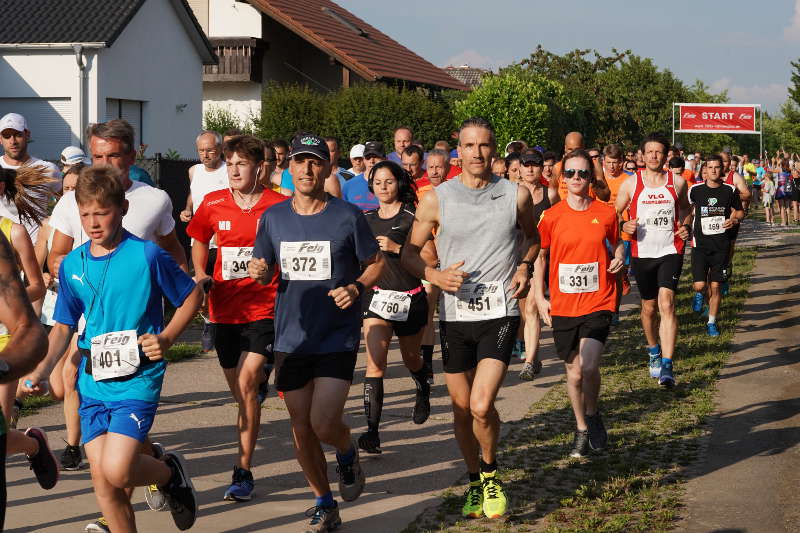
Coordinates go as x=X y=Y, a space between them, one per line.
x=8 y=135
x=583 y=173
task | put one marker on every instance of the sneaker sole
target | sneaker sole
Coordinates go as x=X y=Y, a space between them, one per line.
x=49 y=451
x=667 y=383
x=188 y=479
x=231 y=498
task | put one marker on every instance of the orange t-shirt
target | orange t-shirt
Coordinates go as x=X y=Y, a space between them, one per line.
x=688 y=175
x=562 y=185
x=614 y=184
x=579 y=280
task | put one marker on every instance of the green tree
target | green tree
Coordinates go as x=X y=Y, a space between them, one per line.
x=794 y=90
x=522 y=106
x=289 y=109
x=222 y=119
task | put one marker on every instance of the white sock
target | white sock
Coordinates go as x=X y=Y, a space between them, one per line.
x=712 y=319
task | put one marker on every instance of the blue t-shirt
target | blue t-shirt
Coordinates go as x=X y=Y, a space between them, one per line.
x=139 y=174
x=120 y=291
x=343 y=176
x=356 y=191
x=307 y=320
x=286 y=180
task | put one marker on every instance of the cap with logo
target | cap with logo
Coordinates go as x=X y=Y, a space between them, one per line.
x=357 y=151
x=374 y=148
x=308 y=143
x=13 y=121
x=72 y=155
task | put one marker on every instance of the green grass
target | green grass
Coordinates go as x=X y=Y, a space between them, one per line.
x=654 y=434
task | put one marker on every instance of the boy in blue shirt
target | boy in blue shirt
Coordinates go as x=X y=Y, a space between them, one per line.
x=117 y=281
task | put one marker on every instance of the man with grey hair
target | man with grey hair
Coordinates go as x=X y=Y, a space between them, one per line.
x=209 y=175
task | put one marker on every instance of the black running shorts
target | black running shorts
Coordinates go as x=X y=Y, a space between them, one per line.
x=569 y=330
x=711 y=265
x=417 y=315
x=652 y=273
x=230 y=340
x=464 y=344
x=295 y=370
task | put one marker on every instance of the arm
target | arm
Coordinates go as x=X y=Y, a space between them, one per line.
x=332 y=186
x=199 y=260
x=600 y=186
x=62 y=245
x=744 y=190
x=186 y=214
x=624 y=196
x=40 y=246
x=172 y=246
x=552 y=195
x=21 y=242
x=58 y=342
x=28 y=343
x=685 y=211
x=155 y=346
x=346 y=295
x=530 y=244
x=538 y=286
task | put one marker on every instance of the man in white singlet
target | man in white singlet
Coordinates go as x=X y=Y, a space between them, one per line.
x=656 y=203
x=209 y=175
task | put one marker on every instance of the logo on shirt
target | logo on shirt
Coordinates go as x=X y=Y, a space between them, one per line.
x=712 y=201
x=74 y=276
x=595 y=221
x=224 y=225
x=498 y=196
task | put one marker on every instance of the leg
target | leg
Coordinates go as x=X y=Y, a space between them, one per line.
x=486 y=383
x=575 y=389
x=410 y=351
x=714 y=299
x=533 y=330
x=377 y=335
x=250 y=374
x=71 y=396
x=114 y=503
x=650 y=322
x=307 y=446
x=668 y=329
x=591 y=351
x=459 y=385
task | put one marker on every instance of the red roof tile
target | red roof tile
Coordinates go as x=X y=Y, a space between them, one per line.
x=368 y=52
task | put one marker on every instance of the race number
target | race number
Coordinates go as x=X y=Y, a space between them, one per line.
x=234 y=261
x=712 y=225
x=480 y=301
x=391 y=305
x=306 y=260
x=659 y=218
x=115 y=354
x=578 y=278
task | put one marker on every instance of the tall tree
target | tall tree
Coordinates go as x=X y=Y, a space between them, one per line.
x=794 y=90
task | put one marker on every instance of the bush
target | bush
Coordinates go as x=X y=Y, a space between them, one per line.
x=222 y=119
x=288 y=109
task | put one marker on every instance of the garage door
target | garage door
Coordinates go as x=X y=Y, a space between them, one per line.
x=48 y=120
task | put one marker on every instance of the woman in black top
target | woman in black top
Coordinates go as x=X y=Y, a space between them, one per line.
x=397 y=304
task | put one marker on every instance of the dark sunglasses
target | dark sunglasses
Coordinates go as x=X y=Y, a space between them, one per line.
x=8 y=135
x=583 y=173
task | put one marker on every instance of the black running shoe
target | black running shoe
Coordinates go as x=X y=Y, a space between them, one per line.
x=370 y=442
x=71 y=458
x=580 y=444
x=323 y=519
x=44 y=463
x=351 y=479
x=180 y=493
x=598 y=436
x=422 y=404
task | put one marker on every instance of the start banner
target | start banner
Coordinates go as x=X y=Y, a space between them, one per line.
x=717 y=118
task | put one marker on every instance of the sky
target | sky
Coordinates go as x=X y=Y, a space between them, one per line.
x=739 y=45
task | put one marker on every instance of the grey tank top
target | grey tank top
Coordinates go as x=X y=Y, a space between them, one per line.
x=478 y=226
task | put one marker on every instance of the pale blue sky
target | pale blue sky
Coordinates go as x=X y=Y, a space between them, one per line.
x=741 y=45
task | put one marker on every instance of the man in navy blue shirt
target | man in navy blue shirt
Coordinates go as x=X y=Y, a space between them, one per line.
x=356 y=190
x=321 y=245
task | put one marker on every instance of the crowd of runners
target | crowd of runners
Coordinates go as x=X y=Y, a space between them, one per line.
x=295 y=259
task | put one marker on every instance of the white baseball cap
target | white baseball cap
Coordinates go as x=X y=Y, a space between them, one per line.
x=13 y=121
x=357 y=151
x=690 y=157
x=72 y=155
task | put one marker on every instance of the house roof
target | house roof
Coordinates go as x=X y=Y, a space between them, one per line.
x=44 y=22
x=354 y=43
x=470 y=76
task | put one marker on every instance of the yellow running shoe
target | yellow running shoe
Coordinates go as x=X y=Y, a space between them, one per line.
x=473 y=501
x=494 y=498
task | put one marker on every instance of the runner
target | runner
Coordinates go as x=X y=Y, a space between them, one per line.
x=26 y=346
x=655 y=202
x=717 y=209
x=281 y=165
x=768 y=198
x=327 y=255
x=583 y=284
x=356 y=190
x=412 y=162
x=478 y=218
x=342 y=175
x=732 y=177
x=396 y=305
x=550 y=159
x=512 y=167
x=615 y=177
x=240 y=310
x=270 y=164
x=332 y=185
x=543 y=197
x=120 y=383
x=357 y=160
x=574 y=141
x=403 y=138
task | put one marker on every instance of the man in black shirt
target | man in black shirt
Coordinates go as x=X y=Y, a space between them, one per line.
x=717 y=209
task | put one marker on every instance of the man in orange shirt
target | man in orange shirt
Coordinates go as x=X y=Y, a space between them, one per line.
x=615 y=177
x=574 y=141
x=583 y=291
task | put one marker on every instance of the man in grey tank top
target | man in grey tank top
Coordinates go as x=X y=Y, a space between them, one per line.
x=478 y=218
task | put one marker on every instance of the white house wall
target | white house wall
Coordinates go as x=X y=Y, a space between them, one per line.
x=241 y=98
x=229 y=18
x=154 y=61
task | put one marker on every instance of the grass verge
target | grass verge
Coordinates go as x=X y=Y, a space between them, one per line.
x=634 y=485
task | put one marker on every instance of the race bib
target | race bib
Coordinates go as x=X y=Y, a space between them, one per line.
x=578 y=278
x=480 y=301
x=391 y=305
x=234 y=261
x=712 y=225
x=306 y=260
x=659 y=219
x=115 y=355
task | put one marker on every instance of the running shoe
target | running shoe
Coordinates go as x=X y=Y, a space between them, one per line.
x=580 y=444
x=351 y=479
x=370 y=442
x=697 y=302
x=422 y=404
x=180 y=493
x=71 y=458
x=598 y=436
x=242 y=485
x=494 y=497
x=712 y=329
x=323 y=519
x=529 y=370
x=473 y=501
x=156 y=499
x=98 y=526
x=16 y=410
x=207 y=338
x=654 y=363
x=666 y=378
x=44 y=463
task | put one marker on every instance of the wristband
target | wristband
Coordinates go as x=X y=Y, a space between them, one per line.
x=359 y=287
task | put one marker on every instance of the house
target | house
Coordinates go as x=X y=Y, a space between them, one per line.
x=469 y=76
x=68 y=63
x=313 y=42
